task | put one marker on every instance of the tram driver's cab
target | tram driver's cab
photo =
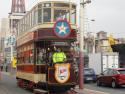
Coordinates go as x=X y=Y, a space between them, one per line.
x=45 y=53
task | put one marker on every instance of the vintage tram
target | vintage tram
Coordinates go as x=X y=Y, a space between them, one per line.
x=47 y=26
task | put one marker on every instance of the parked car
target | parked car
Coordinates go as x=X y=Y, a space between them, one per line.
x=89 y=75
x=112 y=77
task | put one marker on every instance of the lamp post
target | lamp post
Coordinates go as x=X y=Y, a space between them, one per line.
x=93 y=31
x=81 y=64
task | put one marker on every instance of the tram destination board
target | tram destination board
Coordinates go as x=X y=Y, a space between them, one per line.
x=60 y=43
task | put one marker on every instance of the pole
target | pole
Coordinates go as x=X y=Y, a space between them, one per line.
x=11 y=46
x=93 y=30
x=81 y=64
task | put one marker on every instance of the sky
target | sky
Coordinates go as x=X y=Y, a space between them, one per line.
x=108 y=15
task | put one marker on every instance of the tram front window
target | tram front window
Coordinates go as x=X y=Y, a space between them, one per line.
x=61 y=14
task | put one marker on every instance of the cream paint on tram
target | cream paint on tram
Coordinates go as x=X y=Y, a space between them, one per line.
x=32 y=77
x=37 y=1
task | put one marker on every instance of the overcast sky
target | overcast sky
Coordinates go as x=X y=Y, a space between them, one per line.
x=109 y=15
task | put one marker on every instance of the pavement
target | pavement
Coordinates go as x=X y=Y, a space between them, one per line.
x=8 y=73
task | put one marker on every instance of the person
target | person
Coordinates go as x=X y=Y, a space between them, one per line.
x=41 y=56
x=14 y=63
x=59 y=56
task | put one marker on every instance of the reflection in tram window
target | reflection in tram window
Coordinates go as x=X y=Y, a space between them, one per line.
x=61 y=14
x=46 y=14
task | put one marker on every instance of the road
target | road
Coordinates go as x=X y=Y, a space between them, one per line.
x=107 y=89
x=8 y=86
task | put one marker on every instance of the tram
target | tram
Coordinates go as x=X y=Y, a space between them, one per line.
x=47 y=26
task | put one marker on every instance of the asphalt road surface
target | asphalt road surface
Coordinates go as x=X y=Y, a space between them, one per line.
x=8 y=85
x=107 y=89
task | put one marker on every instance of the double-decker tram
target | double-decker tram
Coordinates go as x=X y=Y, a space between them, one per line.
x=49 y=27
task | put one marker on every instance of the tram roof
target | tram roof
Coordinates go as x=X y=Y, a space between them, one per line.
x=72 y=1
x=38 y=1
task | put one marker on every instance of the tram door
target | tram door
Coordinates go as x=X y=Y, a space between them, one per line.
x=42 y=56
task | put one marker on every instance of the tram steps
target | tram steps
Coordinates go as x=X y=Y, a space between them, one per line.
x=40 y=91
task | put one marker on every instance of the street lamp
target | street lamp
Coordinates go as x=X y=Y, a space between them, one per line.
x=81 y=64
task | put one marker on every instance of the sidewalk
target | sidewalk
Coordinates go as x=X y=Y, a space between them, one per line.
x=5 y=73
x=8 y=73
x=89 y=91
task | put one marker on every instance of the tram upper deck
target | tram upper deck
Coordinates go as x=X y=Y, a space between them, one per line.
x=45 y=14
x=39 y=22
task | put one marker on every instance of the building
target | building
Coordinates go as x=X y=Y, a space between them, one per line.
x=3 y=32
x=9 y=31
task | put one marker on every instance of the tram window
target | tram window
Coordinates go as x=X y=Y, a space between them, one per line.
x=73 y=16
x=27 y=60
x=61 y=14
x=40 y=6
x=46 y=5
x=61 y=5
x=41 y=54
x=31 y=56
x=31 y=59
x=74 y=6
x=32 y=17
x=39 y=15
x=35 y=17
x=46 y=14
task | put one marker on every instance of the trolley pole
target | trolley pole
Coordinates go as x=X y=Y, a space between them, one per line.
x=81 y=64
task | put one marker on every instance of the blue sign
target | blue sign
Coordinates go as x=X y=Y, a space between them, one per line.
x=62 y=29
x=10 y=40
